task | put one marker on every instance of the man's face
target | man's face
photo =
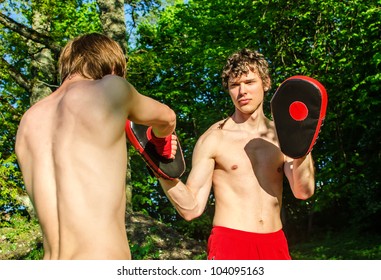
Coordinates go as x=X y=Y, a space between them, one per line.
x=247 y=92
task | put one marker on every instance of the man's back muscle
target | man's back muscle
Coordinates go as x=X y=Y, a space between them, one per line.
x=75 y=180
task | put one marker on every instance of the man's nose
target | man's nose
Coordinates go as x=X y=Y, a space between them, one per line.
x=242 y=88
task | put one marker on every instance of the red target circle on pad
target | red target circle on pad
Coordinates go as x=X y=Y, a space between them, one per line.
x=298 y=111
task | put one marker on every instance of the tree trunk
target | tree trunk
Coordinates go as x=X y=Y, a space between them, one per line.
x=113 y=21
x=114 y=25
x=43 y=65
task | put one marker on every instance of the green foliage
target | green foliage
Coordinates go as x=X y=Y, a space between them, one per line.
x=74 y=20
x=21 y=240
x=11 y=107
x=10 y=190
x=13 y=102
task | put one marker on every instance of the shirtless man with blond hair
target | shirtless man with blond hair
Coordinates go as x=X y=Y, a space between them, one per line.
x=71 y=147
x=240 y=158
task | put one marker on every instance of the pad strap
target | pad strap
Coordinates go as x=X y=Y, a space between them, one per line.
x=163 y=146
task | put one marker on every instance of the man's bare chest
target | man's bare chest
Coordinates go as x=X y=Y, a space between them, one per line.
x=246 y=155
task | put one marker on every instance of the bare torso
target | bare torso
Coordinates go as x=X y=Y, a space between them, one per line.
x=76 y=181
x=248 y=178
x=240 y=159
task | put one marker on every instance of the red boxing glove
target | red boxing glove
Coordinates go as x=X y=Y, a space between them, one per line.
x=163 y=146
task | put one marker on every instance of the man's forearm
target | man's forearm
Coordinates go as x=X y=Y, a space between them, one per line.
x=181 y=198
x=303 y=173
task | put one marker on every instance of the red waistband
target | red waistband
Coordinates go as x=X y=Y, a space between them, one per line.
x=247 y=234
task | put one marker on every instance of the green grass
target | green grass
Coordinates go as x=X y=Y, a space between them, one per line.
x=339 y=246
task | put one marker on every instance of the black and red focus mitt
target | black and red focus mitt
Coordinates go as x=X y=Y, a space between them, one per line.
x=156 y=151
x=298 y=108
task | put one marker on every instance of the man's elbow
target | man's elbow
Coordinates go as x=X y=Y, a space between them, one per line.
x=167 y=123
x=190 y=215
x=304 y=195
x=304 y=189
x=171 y=118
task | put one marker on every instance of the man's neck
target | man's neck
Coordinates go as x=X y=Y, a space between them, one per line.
x=251 y=122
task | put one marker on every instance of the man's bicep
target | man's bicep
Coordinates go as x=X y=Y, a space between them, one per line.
x=145 y=110
x=200 y=183
x=203 y=163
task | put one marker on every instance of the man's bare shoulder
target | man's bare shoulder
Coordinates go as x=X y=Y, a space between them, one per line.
x=213 y=133
x=117 y=89
x=31 y=123
x=114 y=83
x=35 y=112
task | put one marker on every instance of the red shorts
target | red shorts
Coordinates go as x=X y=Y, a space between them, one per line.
x=231 y=244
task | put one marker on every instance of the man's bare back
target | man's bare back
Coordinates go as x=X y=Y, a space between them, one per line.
x=76 y=181
x=71 y=147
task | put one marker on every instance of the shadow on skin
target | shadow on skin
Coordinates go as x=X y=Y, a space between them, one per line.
x=267 y=163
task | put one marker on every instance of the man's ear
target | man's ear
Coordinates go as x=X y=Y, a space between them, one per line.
x=267 y=84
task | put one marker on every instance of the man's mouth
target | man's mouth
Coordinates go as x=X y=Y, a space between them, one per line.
x=243 y=101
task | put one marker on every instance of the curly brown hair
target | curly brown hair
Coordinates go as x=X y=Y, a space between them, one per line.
x=242 y=62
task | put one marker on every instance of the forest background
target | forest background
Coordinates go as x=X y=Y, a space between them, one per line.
x=176 y=51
